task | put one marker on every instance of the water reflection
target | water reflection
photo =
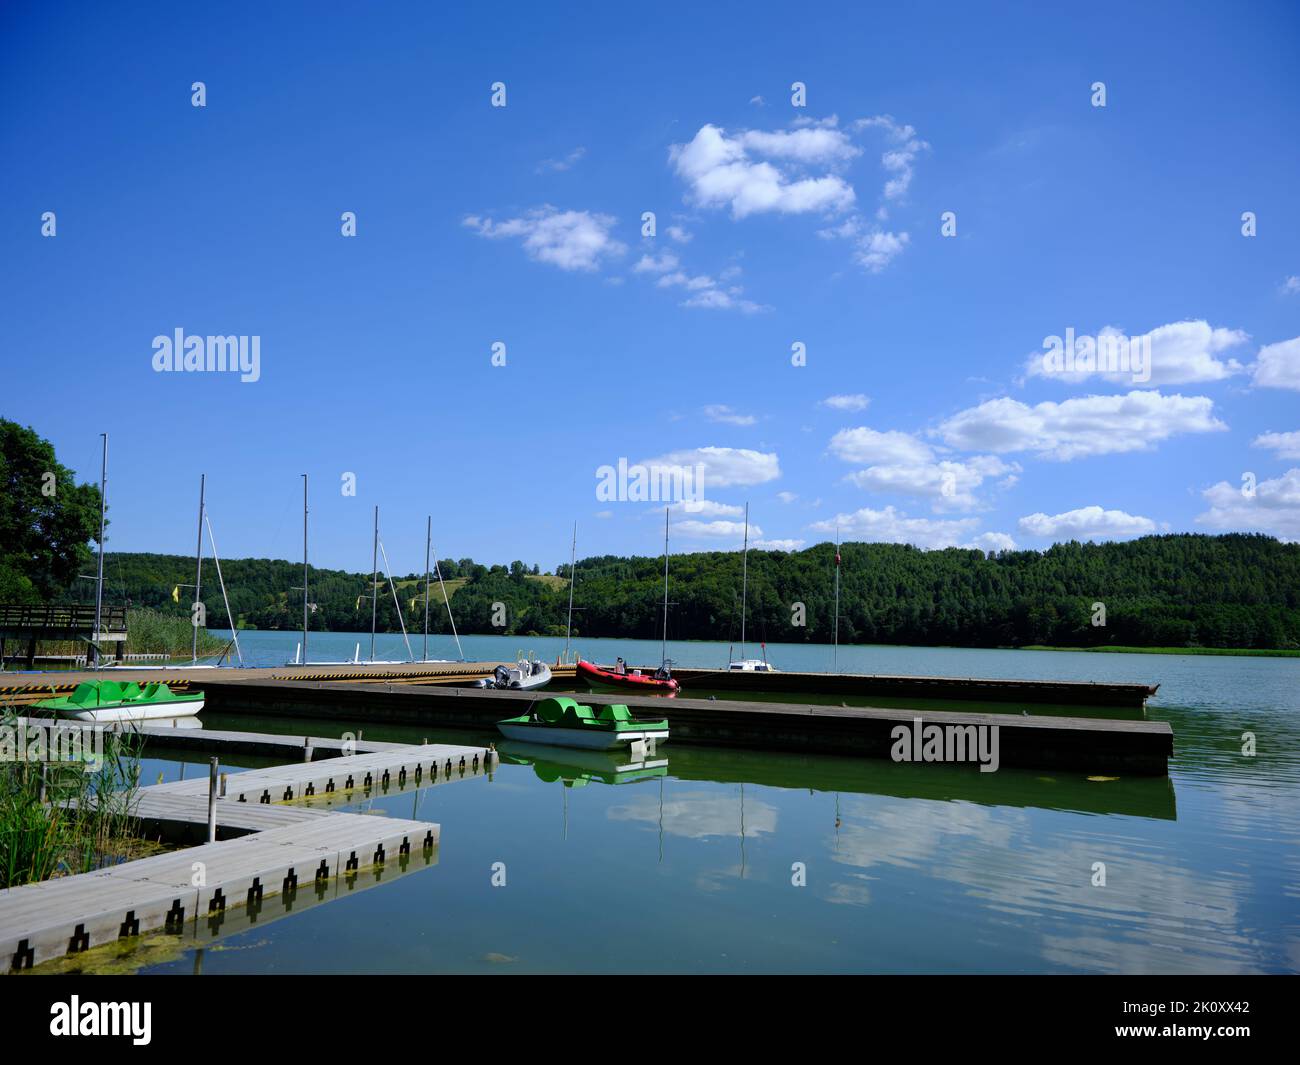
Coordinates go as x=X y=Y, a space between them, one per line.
x=909 y=867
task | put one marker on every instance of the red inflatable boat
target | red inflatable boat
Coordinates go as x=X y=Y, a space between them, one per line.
x=595 y=674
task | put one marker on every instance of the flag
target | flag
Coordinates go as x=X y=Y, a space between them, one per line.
x=176 y=594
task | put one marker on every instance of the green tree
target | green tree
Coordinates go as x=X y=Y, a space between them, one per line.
x=46 y=518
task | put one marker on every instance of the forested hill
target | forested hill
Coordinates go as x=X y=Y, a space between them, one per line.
x=1158 y=591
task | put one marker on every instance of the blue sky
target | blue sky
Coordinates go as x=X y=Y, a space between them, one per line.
x=775 y=225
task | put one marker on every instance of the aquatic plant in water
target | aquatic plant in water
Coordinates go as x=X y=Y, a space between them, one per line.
x=58 y=818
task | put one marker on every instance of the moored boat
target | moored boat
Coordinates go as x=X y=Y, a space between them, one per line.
x=751 y=665
x=626 y=678
x=563 y=722
x=528 y=674
x=108 y=700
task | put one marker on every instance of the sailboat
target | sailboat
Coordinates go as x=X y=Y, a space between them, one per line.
x=204 y=522
x=620 y=676
x=300 y=657
x=743 y=664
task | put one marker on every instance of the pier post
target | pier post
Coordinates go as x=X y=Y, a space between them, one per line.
x=212 y=799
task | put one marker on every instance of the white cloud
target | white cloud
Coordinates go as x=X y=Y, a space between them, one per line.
x=799 y=170
x=877 y=250
x=854 y=402
x=1278 y=365
x=810 y=144
x=560 y=165
x=1291 y=285
x=679 y=234
x=707 y=508
x=708 y=293
x=992 y=541
x=1274 y=507
x=720 y=412
x=776 y=545
x=897 y=159
x=1283 y=445
x=717 y=529
x=571 y=240
x=684 y=280
x=1088 y=425
x=724 y=299
x=1086 y=523
x=948 y=485
x=656 y=264
x=724 y=466
x=721 y=173
x=892 y=526
x=786 y=497
x=863 y=445
x=1180 y=353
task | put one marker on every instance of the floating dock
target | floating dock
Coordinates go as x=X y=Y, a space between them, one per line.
x=265 y=855
x=983 y=689
x=29 y=687
x=1086 y=744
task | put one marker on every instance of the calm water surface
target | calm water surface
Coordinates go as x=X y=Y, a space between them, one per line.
x=689 y=867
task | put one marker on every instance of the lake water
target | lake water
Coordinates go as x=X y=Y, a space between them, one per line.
x=908 y=868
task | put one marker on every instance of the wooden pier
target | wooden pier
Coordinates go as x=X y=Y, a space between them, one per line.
x=30 y=687
x=1087 y=744
x=981 y=689
x=265 y=855
x=436 y=694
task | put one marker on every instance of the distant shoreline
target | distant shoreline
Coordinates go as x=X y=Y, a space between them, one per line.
x=1244 y=652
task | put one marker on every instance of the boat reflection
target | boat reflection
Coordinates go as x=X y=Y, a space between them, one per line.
x=578 y=768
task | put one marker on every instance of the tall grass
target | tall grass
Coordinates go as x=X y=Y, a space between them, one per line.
x=57 y=819
x=149 y=632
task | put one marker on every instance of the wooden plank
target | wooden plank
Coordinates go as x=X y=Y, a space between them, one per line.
x=46 y=920
x=278 y=851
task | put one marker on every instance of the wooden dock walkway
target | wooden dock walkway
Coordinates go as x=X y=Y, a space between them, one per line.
x=1030 y=741
x=20 y=688
x=265 y=854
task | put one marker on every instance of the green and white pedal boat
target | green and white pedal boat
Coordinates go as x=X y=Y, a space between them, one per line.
x=562 y=722
x=109 y=700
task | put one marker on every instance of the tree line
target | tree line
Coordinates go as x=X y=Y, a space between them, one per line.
x=1179 y=590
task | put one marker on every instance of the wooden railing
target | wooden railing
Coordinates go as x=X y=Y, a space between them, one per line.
x=77 y=617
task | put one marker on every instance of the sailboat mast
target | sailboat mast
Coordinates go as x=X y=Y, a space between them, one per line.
x=374 y=587
x=573 y=554
x=198 y=569
x=835 y=653
x=99 y=580
x=744 y=583
x=428 y=544
x=304 y=569
x=664 y=651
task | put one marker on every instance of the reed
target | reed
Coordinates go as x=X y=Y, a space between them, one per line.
x=150 y=632
x=57 y=819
